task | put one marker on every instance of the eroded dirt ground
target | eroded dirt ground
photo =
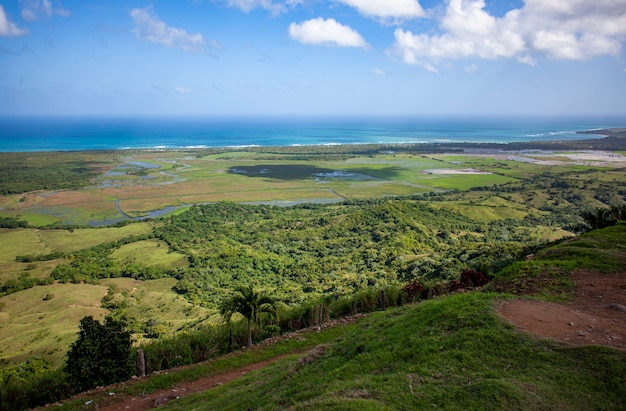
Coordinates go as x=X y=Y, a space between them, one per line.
x=596 y=316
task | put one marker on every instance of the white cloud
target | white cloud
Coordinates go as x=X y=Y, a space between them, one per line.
x=271 y=5
x=394 y=9
x=150 y=28
x=379 y=72
x=559 y=29
x=182 y=90
x=326 y=32
x=33 y=10
x=8 y=29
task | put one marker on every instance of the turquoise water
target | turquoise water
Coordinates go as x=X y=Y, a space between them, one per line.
x=51 y=134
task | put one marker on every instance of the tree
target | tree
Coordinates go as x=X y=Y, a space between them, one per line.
x=101 y=355
x=250 y=304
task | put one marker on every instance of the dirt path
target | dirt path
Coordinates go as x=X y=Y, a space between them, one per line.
x=111 y=399
x=156 y=399
x=596 y=316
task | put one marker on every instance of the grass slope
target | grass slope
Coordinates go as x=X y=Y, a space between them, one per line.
x=43 y=321
x=452 y=353
x=547 y=274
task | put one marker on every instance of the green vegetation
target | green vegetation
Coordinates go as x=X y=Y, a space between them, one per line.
x=24 y=172
x=250 y=305
x=605 y=217
x=412 y=221
x=300 y=253
x=452 y=353
x=42 y=321
x=101 y=354
x=547 y=273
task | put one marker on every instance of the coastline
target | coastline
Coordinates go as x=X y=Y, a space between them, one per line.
x=608 y=139
x=189 y=134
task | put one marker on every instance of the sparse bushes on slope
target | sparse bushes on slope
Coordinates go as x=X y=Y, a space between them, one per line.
x=604 y=217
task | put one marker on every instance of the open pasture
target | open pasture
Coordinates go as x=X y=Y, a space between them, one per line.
x=149 y=253
x=44 y=320
x=77 y=239
x=20 y=242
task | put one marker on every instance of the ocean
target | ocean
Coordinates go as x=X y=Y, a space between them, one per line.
x=53 y=134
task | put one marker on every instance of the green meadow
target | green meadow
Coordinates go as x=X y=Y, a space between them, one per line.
x=42 y=321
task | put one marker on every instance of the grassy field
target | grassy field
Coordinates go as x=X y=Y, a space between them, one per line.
x=73 y=240
x=20 y=241
x=44 y=320
x=149 y=253
x=29 y=241
x=451 y=353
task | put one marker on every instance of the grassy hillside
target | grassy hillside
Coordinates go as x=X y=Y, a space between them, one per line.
x=547 y=273
x=43 y=321
x=451 y=353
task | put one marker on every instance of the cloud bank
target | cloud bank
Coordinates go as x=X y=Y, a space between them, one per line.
x=8 y=29
x=559 y=29
x=326 y=32
x=150 y=28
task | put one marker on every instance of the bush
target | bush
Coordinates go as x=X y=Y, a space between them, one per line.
x=101 y=355
x=413 y=291
x=271 y=331
x=35 y=390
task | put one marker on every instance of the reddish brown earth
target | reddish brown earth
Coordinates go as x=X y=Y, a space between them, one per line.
x=156 y=399
x=595 y=316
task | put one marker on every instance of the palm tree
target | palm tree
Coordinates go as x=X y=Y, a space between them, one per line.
x=250 y=304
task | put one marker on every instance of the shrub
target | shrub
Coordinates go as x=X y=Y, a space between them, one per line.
x=271 y=331
x=473 y=278
x=413 y=290
x=100 y=355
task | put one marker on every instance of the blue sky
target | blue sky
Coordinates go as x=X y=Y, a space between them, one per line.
x=312 y=57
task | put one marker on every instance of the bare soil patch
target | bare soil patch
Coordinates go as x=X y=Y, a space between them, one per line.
x=595 y=316
x=156 y=399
